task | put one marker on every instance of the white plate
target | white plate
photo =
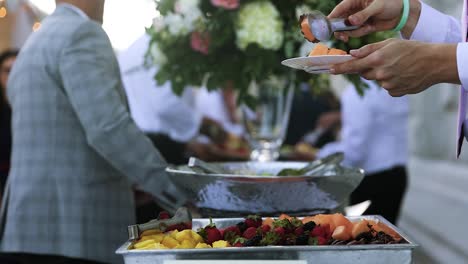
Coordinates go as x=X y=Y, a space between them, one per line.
x=316 y=64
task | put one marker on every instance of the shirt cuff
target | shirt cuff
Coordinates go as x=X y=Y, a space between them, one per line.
x=432 y=25
x=462 y=64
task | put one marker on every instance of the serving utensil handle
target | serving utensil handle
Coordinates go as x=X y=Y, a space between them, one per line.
x=341 y=24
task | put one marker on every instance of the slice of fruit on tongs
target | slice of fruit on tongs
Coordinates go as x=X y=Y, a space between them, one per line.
x=182 y=216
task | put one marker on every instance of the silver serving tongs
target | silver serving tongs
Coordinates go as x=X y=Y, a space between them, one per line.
x=323 y=28
x=197 y=164
x=316 y=166
x=182 y=216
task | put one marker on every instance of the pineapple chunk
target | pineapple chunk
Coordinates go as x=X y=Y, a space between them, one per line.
x=169 y=242
x=150 y=232
x=143 y=244
x=202 y=245
x=187 y=244
x=173 y=233
x=159 y=246
x=183 y=235
x=197 y=238
x=158 y=238
x=221 y=244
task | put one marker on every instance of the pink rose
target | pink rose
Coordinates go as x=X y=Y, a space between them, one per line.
x=200 y=41
x=226 y=4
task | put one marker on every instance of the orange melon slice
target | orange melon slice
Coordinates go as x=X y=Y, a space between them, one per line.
x=337 y=52
x=319 y=50
x=305 y=29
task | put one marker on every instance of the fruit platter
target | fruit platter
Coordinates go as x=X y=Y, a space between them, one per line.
x=323 y=238
x=255 y=188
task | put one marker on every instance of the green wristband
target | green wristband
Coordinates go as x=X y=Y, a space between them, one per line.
x=404 y=16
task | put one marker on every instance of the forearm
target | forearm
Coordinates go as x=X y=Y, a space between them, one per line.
x=444 y=62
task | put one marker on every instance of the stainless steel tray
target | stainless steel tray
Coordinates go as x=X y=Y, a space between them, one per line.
x=362 y=254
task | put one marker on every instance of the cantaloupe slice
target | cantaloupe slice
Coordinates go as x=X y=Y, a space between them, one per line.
x=323 y=219
x=268 y=221
x=337 y=52
x=379 y=226
x=340 y=220
x=305 y=29
x=284 y=216
x=319 y=50
x=359 y=228
x=341 y=233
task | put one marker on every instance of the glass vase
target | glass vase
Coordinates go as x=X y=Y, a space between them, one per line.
x=266 y=118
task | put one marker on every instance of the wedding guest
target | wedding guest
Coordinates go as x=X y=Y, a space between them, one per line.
x=7 y=59
x=77 y=152
x=170 y=120
x=374 y=138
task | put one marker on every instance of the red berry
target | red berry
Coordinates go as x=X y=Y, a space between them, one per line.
x=266 y=228
x=318 y=231
x=250 y=232
x=234 y=229
x=299 y=231
x=222 y=231
x=322 y=241
x=327 y=231
x=238 y=244
x=164 y=215
x=253 y=222
x=212 y=235
x=280 y=231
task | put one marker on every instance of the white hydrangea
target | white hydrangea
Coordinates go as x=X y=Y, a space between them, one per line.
x=183 y=21
x=184 y=7
x=260 y=23
x=156 y=54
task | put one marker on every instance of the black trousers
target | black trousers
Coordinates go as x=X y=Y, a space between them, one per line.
x=386 y=190
x=24 y=258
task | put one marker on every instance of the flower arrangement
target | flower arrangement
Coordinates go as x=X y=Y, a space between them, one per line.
x=216 y=42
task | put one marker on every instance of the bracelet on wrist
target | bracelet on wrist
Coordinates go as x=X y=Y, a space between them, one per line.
x=404 y=16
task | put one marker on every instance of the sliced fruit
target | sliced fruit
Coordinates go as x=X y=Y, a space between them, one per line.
x=183 y=235
x=150 y=232
x=305 y=29
x=359 y=228
x=341 y=233
x=268 y=221
x=319 y=50
x=337 y=52
x=379 y=226
x=221 y=244
x=170 y=242
x=202 y=245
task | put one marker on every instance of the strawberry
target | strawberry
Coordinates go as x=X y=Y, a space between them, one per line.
x=163 y=215
x=299 y=231
x=234 y=229
x=265 y=228
x=280 y=231
x=250 y=232
x=210 y=233
x=270 y=239
x=318 y=231
x=328 y=232
x=322 y=241
x=238 y=244
x=253 y=221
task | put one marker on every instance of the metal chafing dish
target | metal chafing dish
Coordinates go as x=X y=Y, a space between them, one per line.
x=362 y=254
x=245 y=192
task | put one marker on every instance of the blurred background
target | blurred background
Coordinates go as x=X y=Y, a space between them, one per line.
x=436 y=206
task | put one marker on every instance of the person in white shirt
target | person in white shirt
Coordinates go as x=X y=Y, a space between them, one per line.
x=374 y=138
x=171 y=121
x=401 y=66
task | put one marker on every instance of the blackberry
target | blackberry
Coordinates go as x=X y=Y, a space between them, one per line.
x=242 y=226
x=254 y=241
x=367 y=236
x=309 y=226
x=302 y=240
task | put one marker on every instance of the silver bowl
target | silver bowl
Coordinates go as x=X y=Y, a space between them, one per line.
x=248 y=192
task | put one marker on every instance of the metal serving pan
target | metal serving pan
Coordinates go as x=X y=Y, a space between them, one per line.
x=362 y=254
x=234 y=195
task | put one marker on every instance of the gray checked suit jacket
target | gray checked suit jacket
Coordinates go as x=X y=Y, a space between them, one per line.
x=76 y=150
